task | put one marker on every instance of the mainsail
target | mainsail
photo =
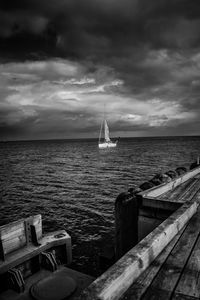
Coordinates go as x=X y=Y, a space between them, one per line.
x=107 y=138
x=107 y=143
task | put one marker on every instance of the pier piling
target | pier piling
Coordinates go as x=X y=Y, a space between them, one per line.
x=126 y=223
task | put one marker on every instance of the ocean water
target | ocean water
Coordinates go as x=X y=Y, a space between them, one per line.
x=74 y=185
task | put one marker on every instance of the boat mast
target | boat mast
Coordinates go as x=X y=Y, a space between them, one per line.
x=102 y=124
x=100 y=131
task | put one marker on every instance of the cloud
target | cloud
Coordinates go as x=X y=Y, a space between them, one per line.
x=69 y=57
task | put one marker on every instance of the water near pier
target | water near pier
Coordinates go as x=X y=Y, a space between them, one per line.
x=73 y=184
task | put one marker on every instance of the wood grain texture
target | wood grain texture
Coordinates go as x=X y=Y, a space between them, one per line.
x=171 y=271
x=13 y=236
x=139 y=287
x=13 y=244
x=17 y=234
x=189 y=283
x=10 y=230
x=184 y=192
x=114 y=282
x=165 y=187
x=177 y=190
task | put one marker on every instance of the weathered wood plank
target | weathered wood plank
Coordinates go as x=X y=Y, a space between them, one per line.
x=11 y=229
x=13 y=244
x=17 y=234
x=183 y=297
x=2 y=255
x=185 y=193
x=35 y=221
x=140 y=286
x=160 y=204
x=113 y=283
x=165 y=187
x=171 y=270
x=13 y=234
x=189 y=283
x=177 y=190
x=170 y=195
x=190 y=192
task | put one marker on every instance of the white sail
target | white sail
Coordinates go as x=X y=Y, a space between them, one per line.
x=107 y=138
x=107 y=143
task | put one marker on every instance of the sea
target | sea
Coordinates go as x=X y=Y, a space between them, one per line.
x=73 y=184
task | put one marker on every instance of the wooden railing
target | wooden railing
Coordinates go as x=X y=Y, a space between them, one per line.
x=116 y=280
x=165 y=187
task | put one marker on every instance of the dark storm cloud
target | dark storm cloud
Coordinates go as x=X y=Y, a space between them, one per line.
x=94 y=28
x=44 y=123
x=151 y=46
x=117 y=33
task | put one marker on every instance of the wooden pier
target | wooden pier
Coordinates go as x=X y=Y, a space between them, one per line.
x=157 y=250
x=165 y=263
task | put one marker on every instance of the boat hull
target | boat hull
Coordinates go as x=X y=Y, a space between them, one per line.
x=107 y=145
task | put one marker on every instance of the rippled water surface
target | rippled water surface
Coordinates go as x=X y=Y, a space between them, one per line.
x=73 y=184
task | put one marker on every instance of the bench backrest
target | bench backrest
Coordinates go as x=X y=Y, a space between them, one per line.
x=18 y=234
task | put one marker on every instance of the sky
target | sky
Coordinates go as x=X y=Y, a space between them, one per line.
x=62 y=60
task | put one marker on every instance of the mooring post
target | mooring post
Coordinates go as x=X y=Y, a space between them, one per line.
x=126 y=223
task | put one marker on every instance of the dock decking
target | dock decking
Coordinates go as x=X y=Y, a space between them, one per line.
x=175 y=273
x=183 y=192
x=165 y=264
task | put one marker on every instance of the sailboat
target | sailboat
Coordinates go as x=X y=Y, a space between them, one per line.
x=107 y=143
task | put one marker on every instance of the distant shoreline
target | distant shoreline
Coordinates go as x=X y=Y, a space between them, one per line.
x=96 y=139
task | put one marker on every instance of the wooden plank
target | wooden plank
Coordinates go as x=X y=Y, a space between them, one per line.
x=37 y=222
x=2 y=254
x=185 y=193
x=165 y=187
x=189 y=283
x=183 y=297
x=14 y=235
x=191 y=191
x=171 y=270
x=160 y=204
x=158 y=214
x=140 y=286
x=14 y=244
x=170 y=195
x=114 y=282
x=11 y=229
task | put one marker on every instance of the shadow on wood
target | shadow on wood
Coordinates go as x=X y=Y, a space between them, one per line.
x=126 y=223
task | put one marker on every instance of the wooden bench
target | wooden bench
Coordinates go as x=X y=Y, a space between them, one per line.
x=23 y=240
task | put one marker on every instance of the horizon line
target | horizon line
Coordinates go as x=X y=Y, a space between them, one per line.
x=81 y=138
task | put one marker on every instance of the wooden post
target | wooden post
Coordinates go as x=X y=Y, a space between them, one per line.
x=126 y=223
x=2 y=255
